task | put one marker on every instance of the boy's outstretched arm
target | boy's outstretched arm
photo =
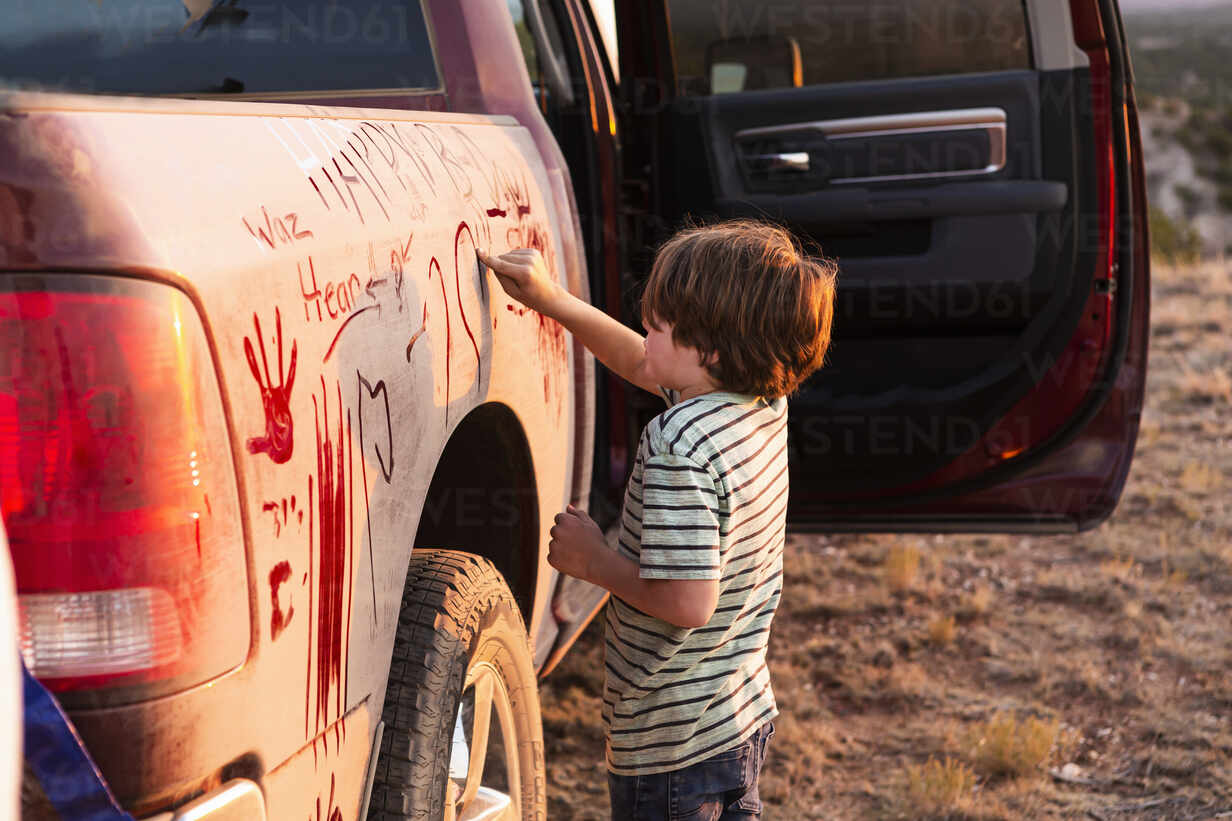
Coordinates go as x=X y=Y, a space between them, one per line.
x=577 y=549
x=524 y=276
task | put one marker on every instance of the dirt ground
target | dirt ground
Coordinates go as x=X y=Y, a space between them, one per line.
x=1005 y=677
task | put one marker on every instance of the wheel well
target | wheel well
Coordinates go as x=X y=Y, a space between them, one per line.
x=483 y=499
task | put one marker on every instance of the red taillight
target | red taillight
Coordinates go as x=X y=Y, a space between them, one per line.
x=117 y=488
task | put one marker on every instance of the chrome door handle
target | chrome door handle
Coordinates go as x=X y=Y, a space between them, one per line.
x=993 y=121
x=795 y=161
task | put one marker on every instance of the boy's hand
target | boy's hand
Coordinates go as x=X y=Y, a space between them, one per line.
x=578 y=549
x=524 y=275
x=575 y=540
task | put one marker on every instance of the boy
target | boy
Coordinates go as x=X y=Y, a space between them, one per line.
x=737 y=317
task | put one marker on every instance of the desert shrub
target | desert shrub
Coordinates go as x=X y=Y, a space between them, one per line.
x=902 y=565
x=1190 y=199
x=941 y=630
x=937 y=787
x=1188 y=138
x=1006 y=747
x=1218 y=141
x=1222 y=173
x=1174 y=242
x=1224 y=197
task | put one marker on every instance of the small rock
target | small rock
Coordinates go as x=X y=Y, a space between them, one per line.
x=1070 y=773
x=885 y=656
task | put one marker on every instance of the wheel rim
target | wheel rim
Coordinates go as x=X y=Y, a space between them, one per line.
x=485 y=781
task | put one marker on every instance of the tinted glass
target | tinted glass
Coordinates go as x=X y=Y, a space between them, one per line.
x=741 y=45
x=199 y=46
x=547 y=62
x=525 y=38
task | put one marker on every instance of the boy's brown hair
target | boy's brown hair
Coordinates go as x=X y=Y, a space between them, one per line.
x=746 y=291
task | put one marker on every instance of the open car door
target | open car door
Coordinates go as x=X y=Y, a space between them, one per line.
x=975 y=168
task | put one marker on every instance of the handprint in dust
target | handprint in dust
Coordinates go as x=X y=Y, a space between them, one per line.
x=278 y=440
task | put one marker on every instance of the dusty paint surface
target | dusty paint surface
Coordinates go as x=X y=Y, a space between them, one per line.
x=333 y=249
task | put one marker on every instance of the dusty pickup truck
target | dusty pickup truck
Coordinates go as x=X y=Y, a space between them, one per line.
x=277 y=459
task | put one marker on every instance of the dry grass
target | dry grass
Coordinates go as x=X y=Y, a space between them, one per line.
x=1122 y=569
x=1171 y=579
x=941 y=631
x=1101 y=658
x=1005 y=747
x=902 y=566
x=937 y=788
x=1206 y=387
x=906 y=684
x=1199 y=477
x=979 y=601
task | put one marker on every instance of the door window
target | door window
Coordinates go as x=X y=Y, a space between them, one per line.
x=543 y=50
x=526 y=39
x=744 y=45
x=216 y=46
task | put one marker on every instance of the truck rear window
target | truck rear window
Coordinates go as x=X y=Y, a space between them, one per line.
x=746 y=45
x=216 y=46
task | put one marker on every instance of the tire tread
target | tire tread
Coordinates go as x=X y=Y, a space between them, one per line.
x=446 y=591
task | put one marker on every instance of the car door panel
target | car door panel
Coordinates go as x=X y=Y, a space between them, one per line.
x=967 y=262
x=837 y=206
x=965 y=211
x=831 y=211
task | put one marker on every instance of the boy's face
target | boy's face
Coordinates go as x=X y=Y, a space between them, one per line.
x=678 y=367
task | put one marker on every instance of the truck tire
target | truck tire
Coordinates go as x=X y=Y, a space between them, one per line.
x=460 y=652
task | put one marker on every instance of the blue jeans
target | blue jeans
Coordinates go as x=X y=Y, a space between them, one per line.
x=720 y=788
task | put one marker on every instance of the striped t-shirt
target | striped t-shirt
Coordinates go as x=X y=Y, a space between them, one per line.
x=707 y=499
